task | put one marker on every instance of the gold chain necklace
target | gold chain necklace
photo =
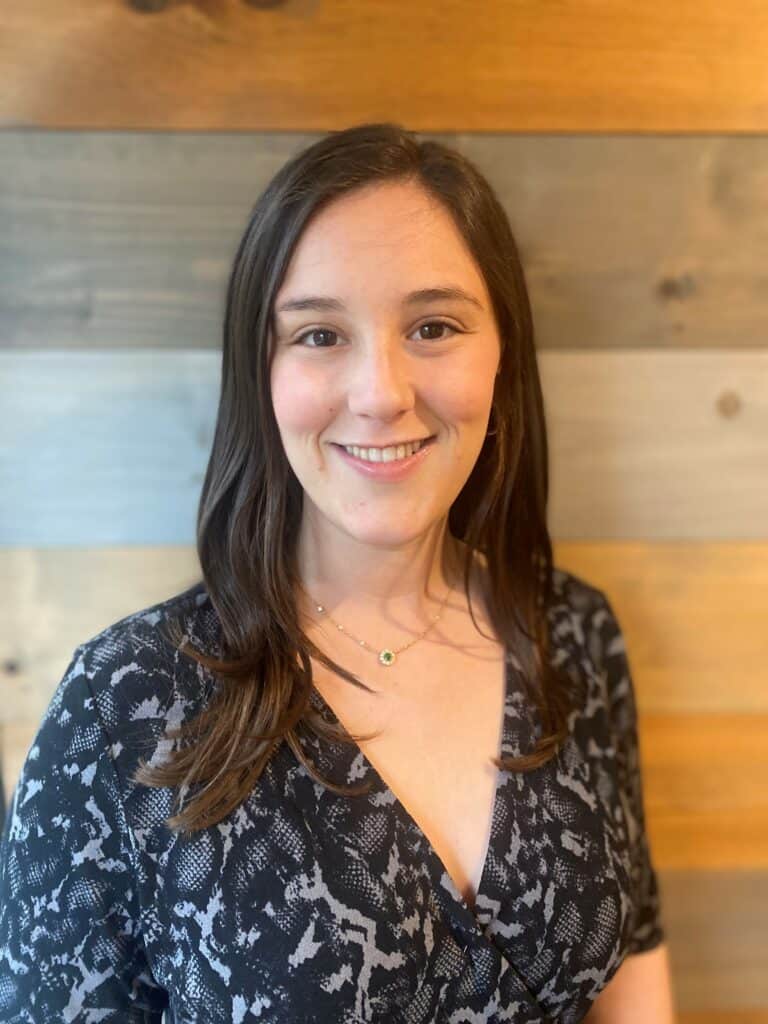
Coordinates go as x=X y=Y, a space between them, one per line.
x=386 y=655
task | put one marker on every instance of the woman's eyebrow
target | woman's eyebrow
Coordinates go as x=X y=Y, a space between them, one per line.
x=422 y=295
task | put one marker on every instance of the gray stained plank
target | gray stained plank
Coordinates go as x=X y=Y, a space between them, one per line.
x=101 y=448
x=104 y=448
x=126 y=238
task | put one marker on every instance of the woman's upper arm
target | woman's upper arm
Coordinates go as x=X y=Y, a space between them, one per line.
x=648 y=927
x=640 y=991
x=641 y=988
x=70 y=946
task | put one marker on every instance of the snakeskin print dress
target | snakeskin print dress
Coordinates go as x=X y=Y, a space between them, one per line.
x=303 y=905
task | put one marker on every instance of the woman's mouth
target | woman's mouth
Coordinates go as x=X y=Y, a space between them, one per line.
x=390 y=463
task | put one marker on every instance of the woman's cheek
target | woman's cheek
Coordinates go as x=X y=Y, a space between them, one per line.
x=464 y=406
x=301 y=401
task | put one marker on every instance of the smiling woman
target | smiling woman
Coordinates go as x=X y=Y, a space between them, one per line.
x=381 y=384
x=381 y=763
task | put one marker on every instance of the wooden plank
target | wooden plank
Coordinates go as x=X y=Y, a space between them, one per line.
x=7 y=779
x=714 y=841
x=641 y=445
x=705 y=774
x=115 y=239
x=721 y=1016
x=694 y=762
x=525 y=66
x=657 y=445
x=705 y=780
x=693 y=616
x=120 y=441
x=15 y=741
x=718 y=939
x=712 y=658
x=54 y=600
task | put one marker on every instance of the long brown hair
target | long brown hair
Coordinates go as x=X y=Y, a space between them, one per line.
x=251 y=501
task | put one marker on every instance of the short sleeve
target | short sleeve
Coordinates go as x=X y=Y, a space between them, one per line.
x=648 y=930
x=70 y=943
x=2 y=797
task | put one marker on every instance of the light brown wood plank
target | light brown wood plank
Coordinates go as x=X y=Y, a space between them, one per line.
x=122 y=239
x=698 y=761
x=56 y=599
x=717 y=841
x=756 y=1016
x=525 y=66
x=16 y=738
x=705 y=780
x=693 y=616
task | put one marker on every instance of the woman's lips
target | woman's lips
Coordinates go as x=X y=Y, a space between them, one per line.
x=397 y=469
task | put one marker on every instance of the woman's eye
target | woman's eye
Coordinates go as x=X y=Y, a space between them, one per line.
x=436 y=323
x=435 y=335
x=315 y=330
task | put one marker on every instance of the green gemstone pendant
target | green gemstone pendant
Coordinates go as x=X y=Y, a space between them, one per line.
x=386 y=657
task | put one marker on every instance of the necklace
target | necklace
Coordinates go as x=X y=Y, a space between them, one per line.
x=386 y=655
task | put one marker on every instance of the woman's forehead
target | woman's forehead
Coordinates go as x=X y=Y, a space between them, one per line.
x=375 y=218
x=390 y=240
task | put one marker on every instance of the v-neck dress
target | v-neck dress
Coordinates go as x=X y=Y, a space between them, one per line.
x=303 y=905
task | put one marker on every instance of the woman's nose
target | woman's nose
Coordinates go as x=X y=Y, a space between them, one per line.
x=381 y=383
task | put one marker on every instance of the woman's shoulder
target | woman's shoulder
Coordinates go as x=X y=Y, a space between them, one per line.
x=130 y=682
x=575 y=592
x=146 y=626
x=137 y=652
x=587 y=642
x=582 y=614
x=80 y=825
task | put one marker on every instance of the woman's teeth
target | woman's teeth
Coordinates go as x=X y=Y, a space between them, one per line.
x=402 y=451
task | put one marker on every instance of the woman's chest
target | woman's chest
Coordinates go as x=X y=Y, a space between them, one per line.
x=437 y=738
x=305 y=902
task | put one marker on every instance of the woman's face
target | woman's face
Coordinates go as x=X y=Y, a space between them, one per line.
x=364 y=361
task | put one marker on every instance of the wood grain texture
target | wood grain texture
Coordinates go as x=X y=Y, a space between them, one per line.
x=56 y=599
x=523 y=66
x=721 y=1016
x=119 y=239
x=120 y=441
x=718 y=941
x=693 y=616
x=110 y=447
x=705 y=779
x=657 y=445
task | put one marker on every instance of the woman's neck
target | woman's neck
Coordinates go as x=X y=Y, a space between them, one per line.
x=372 y=583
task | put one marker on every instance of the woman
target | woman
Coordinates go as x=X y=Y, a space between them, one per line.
x=381 y=764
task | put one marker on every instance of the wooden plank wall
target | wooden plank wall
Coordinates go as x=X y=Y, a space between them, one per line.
x=307 y=65
x=628 y=146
